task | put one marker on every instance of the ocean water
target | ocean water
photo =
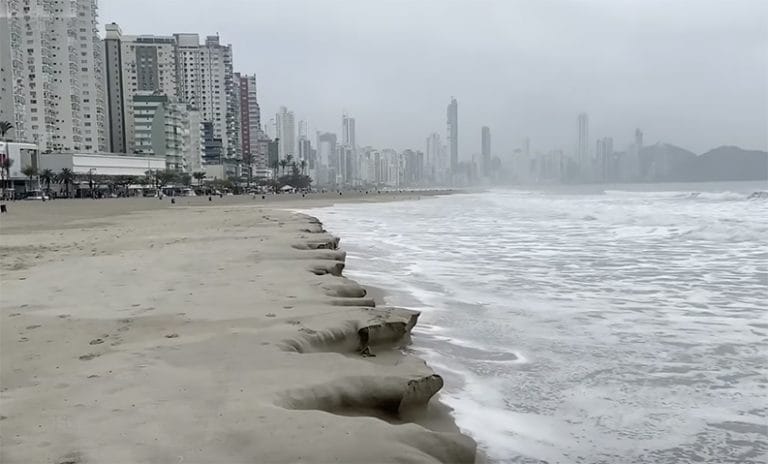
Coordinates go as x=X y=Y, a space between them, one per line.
x=600 y=325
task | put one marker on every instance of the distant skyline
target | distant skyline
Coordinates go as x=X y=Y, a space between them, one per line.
x=692 y=74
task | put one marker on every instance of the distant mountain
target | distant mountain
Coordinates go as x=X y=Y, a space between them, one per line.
x=728 y=163
x=664 y=162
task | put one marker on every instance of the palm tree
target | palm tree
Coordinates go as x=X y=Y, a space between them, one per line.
x=303 y=166
x=165 y=177
x=199 y=176
x=47 y=176
x=5 y=168
x=284 y=164
x=29 y=171
x=66 y=177
x=5 y=127
x=185 y=179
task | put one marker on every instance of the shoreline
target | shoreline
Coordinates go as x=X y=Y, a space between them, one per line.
x=123 y=338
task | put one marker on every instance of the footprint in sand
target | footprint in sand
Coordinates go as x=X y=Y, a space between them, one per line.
x=96 y=341
x=271 y=315
x=88 y=357
x=14 y=314
x=173 y=335
x=35 y=326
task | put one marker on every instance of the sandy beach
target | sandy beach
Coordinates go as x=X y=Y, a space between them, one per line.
x=139 y=331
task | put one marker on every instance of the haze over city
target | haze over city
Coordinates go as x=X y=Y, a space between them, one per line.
x=424 y=231
x=688 y=73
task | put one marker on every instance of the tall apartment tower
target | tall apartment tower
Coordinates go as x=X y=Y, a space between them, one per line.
x=113 y=67
x=52 y=74
x=326 y=147
x=250 y=117
x=207 y=83
x=135 y=65
x=582 y=149
x=286 y=133
x=435 y=163
x=348 y=131
x=453 y=134
x=485 y=147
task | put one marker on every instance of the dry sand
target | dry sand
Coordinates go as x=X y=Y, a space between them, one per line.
x=135 y=331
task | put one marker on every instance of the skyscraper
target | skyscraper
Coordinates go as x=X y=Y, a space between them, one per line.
x=51 y=74
x=113 y=66
x=604 y=157
x=453 y=134
x=206 y=82
x=348 y=131
x=326 y=147
x=285 y=125
x=485 y=136
x=250 y=120
x=435 y=164
x=582 y=150
x=303 y=128
x=135 y=65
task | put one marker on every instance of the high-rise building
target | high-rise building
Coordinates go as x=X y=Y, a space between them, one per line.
x=348 y=131
x=604 y=158
x=582 y=151
x=303 y=128
x=52 y=74
x=326 y=147
x=285 y=125
x=162 y=128
x=187 y=72
x=453 y=134
x=194 y=155
x=113 y=67
x=485 y=147
x=135 y=65
x=305 y=152
x=435 y=164
x=207 y=83
x=250 y=120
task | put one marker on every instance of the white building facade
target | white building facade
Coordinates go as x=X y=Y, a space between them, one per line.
x=101 y=164
x=148 y=64
x=52 y=74
x=206 y=83
x=168 y=129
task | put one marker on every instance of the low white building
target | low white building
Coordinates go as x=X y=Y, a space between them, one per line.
x=101 y=164
x=20 y=155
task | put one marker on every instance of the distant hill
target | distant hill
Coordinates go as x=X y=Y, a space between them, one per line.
x=728 y=163
x=663 y=162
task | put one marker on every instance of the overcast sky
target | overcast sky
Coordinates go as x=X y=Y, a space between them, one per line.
x=688 y=72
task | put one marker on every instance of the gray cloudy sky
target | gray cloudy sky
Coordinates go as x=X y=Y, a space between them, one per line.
x=688 y=72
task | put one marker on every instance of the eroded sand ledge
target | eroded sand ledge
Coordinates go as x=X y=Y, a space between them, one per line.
x=206 y=334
